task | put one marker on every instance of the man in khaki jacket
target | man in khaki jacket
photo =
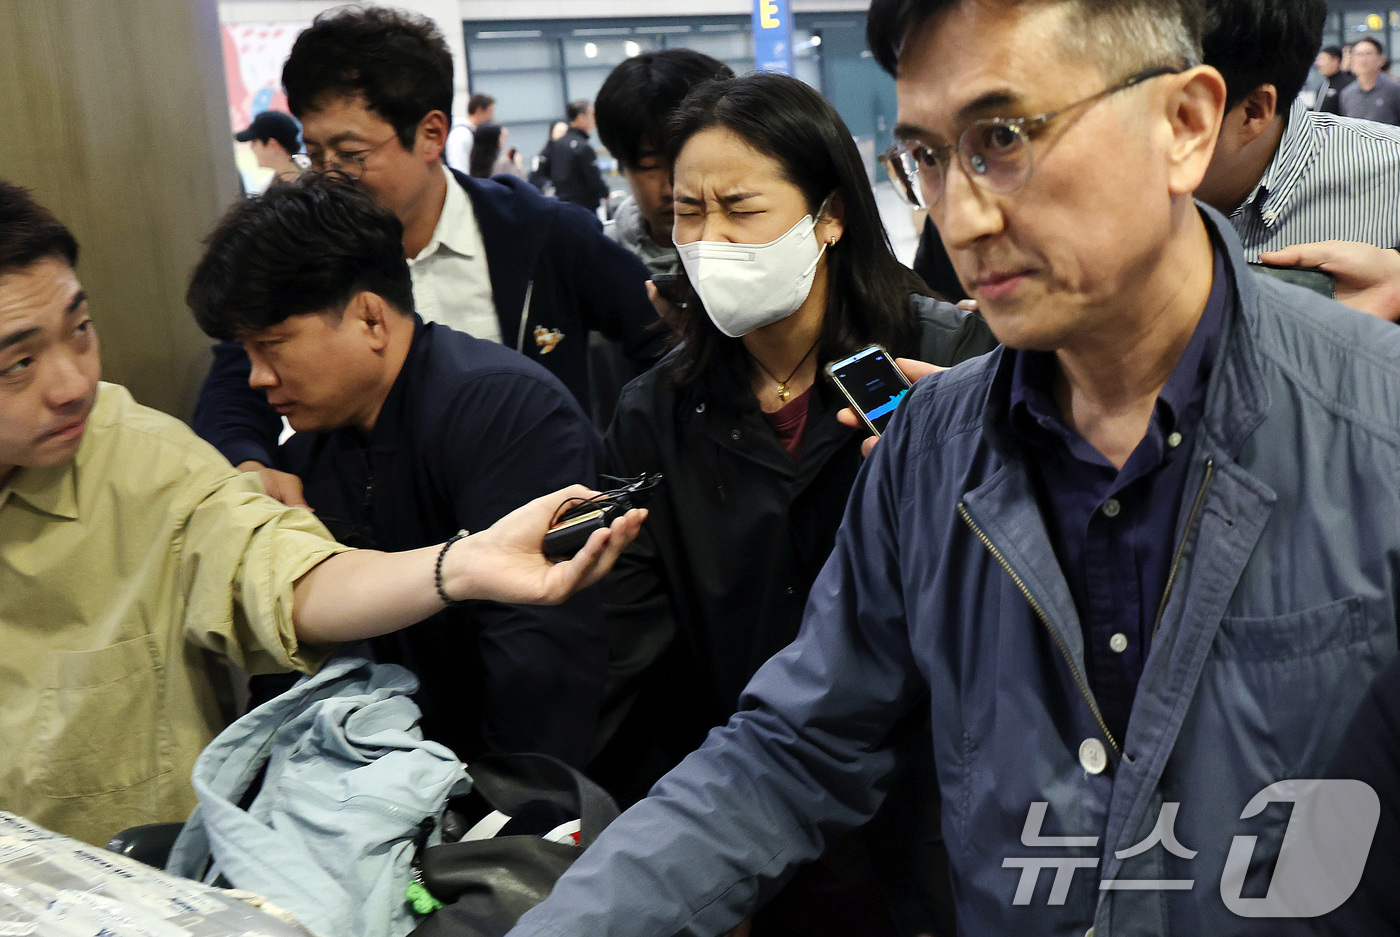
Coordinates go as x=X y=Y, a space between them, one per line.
x=130 y=549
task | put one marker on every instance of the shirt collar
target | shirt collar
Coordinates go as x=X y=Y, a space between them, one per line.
x=53 y=490
x=1036 y=417
x=1301 y=140
x=396 y=409
x=456 y=228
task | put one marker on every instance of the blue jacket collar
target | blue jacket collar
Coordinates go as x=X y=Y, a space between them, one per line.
x=1236 y=401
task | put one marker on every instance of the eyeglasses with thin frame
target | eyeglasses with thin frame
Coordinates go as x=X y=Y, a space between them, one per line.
x=351 y=162
x=995 y=152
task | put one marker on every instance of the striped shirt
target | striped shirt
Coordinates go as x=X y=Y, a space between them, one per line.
x=1331 y=179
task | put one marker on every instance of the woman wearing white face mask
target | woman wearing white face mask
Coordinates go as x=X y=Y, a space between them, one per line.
x=790 y=269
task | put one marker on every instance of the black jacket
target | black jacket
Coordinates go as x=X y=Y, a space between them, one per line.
x=547 y=259
x=469 y=432
x=1329 y=96
x=716 y=583
x=573 y=168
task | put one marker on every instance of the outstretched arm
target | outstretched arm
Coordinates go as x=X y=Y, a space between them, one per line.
x=365 y=593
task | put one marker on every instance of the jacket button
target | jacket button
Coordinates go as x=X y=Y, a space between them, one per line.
x=1118 y=643
x=735 y=435
x=791 y=590
x=1093 y=757
x=1111 y=507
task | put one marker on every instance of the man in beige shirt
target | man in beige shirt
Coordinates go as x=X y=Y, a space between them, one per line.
x=130 y=550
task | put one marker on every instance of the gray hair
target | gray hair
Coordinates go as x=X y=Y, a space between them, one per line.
x=1120 y=36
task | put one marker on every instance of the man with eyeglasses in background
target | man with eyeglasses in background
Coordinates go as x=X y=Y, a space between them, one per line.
x=406 y=428
x=1140 y=562
x=372 y=88
x=1374 y=95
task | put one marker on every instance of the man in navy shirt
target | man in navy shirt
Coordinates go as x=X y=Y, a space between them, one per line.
x=372 y=87
x=1136 y=566
x=407 y=432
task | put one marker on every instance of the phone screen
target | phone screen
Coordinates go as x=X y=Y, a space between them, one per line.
x=872 y=383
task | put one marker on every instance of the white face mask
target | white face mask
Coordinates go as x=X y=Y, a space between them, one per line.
x=747 y=286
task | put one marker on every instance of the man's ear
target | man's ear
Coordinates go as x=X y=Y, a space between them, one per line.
x=1195 y=105
x=372 y=317
x=1260 y=109
x=432 y=135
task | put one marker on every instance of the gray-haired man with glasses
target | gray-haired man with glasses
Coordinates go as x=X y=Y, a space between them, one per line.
x=995 y=152
x=1139 y=563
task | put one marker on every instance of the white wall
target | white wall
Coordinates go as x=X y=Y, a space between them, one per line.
x=443 y=12
x=449 y=15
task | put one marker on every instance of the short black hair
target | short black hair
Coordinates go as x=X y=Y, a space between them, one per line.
x=479 y=102
x=30 y=233
x=486 y=149
x=1373 y=41
x=574 y=109
x=1174 y=25
x=307 y=246
x=1334 y=51
x=396 y=60
x=639 y=96
x=1263 y=42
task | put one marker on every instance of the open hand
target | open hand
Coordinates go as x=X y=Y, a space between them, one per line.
x=505 y=562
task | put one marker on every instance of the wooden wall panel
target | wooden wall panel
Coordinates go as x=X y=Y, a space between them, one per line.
x=115 y=114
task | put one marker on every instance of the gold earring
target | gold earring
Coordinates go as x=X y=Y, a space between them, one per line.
x=833 y=240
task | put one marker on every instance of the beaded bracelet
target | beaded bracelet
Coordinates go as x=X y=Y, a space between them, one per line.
x=437 y=570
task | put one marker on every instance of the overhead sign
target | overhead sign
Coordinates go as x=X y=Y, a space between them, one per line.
x=772 y=36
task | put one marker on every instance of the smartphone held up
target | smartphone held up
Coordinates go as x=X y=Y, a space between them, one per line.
x=872 y=383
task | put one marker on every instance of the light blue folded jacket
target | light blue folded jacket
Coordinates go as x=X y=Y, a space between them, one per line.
x=350 y=791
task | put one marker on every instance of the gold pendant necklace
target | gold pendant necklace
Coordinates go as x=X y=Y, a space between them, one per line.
x=783 y=393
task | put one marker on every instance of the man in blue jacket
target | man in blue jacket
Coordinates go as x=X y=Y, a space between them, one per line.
x=407 y=432
x=1140 y=563
x=493 y=258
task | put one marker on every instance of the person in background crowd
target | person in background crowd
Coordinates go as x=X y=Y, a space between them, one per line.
x=1138 y=565
x=481 y=108
x=1334 y=79
x=129 y=551
x=407 y=432
x=275 y=139
x=1374 y=95
x=573 y=165
x=1301 y=188
x=538 y=175
x=632 y=110
x=492 y=258
x=490 y=157
x=743 y=429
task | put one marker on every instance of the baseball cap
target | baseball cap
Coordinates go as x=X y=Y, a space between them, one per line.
x=273 y=125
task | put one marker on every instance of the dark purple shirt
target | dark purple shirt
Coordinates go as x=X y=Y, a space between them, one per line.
x=1114 y=531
